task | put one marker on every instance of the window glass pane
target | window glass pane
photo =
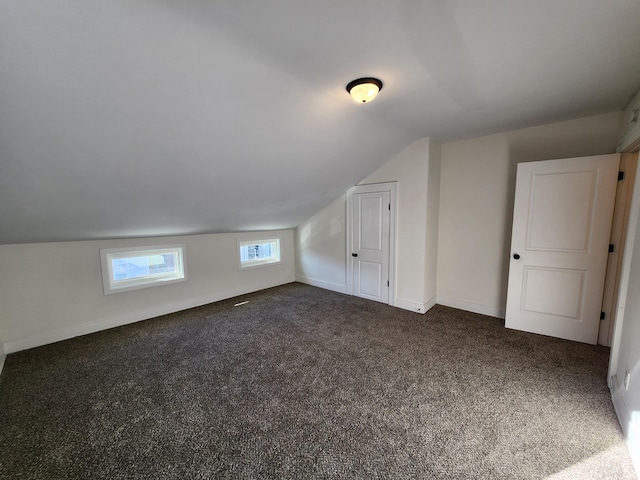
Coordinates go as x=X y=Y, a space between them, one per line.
x=129 y=269
x=142 y=266
x=259 y=252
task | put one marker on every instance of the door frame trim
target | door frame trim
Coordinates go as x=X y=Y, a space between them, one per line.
x=390 y=187
x=624 y=274
x=621 y=211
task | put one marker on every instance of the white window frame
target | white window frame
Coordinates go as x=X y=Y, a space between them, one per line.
x=261 y=262
x=111 y=285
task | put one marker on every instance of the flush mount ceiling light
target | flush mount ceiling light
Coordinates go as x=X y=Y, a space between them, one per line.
x=364 y=90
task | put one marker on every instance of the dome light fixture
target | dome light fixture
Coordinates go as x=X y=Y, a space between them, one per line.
x=364 y=90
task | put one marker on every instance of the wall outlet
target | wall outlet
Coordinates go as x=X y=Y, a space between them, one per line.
x=627 y=377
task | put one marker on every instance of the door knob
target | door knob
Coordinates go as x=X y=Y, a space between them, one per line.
x=516 y=256
x=354 y=254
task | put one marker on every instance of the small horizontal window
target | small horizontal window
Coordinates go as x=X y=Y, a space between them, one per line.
x=255 y=253
x=141 y=267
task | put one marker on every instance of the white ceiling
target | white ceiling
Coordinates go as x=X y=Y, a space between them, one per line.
x=124 y=118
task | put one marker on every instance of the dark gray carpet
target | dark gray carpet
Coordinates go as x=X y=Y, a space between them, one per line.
x=306 y=383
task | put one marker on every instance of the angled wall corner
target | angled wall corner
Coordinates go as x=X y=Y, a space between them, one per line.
x=433 y=220
x=320 y=246
x=416 y=169
x=630 y=130
x=321 y=240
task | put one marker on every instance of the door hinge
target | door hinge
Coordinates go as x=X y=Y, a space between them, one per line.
x=389 y=207
x=387 y=283
x=620 y=176
x=601 y=315
x=611 y=247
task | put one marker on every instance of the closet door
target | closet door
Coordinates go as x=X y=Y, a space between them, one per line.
x=559 y=246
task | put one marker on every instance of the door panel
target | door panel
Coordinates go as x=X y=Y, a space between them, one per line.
x=370 y=209
x=370 y=245
x=560 y=238
x=553 y=291
x=370 y=277
x=557 y=229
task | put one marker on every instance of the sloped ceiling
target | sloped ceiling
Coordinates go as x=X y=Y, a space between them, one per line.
x=124 y=118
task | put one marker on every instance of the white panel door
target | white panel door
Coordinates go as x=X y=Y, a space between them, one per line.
x=370 y=245
x=559 y=246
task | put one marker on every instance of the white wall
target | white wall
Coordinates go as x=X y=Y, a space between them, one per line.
x=625 y=354
x=433 y=216
x=454 y=214
x=625 y=350
x=477 y=187
x=321 y=248
x=410 y=168
x=321 y=241
x=53 y=291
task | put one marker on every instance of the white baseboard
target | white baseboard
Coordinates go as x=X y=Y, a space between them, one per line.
x=414 y=306
x=3 y=355
x=471 y=307
x=630 y=425
x=66 y=333
x=336 y=287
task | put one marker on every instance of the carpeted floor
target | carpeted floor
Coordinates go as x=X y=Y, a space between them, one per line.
x=303 y=383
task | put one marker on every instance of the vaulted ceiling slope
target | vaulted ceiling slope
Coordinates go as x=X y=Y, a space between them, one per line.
x=127 y=118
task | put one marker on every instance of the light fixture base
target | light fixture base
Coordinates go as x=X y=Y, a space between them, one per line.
x=364 y=89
